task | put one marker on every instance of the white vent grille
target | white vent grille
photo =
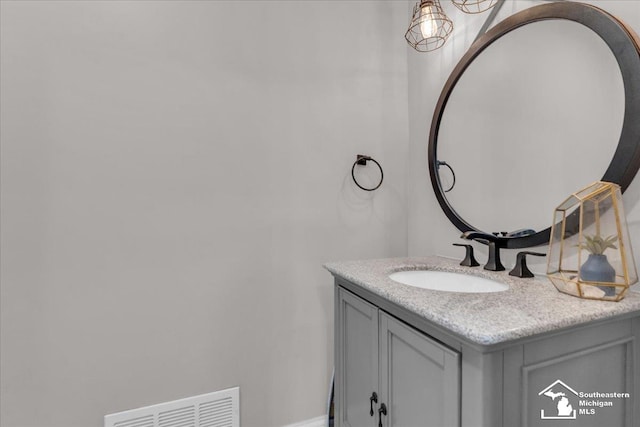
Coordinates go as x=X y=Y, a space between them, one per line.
x=137 y=422
x=217 y=414
x=217 y=409
x=183 y=417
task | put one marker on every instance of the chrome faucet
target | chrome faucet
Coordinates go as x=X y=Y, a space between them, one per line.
x=494 y=242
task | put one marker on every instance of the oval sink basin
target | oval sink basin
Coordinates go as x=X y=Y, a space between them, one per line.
x=445 y=281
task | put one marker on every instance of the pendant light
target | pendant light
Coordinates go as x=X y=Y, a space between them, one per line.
x=474 y=6
x=429 y=26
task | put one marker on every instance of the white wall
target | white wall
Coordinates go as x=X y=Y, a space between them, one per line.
x=430 y=232
x=174 y=174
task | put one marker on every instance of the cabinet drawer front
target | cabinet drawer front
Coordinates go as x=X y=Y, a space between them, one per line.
x=419 y=377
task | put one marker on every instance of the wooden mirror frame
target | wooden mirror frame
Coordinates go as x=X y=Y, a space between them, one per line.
x=625 y=46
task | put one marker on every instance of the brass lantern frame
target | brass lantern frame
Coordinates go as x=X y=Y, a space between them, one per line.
x=444 y=27
x=569 y=225
x=474 y=6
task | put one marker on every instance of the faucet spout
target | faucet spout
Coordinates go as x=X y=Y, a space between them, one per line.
x=493 y=242
x=477 y=235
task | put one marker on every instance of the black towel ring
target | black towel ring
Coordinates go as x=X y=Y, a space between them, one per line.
x=362 y=160
x=453 y=184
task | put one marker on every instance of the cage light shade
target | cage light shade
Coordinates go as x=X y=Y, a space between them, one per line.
x=429 y=27
x=590 y=252
x=474 y=6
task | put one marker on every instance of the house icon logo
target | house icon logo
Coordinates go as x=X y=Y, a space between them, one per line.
x=559 y=393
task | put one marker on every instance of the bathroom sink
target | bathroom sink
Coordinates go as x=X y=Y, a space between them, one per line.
x=445 y=281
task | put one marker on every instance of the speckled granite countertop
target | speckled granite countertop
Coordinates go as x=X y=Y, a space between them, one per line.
x=528 y=307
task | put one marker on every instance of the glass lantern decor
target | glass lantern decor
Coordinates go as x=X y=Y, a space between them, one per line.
x=590 y=252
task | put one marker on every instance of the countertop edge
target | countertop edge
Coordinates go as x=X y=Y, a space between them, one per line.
x=478 y=339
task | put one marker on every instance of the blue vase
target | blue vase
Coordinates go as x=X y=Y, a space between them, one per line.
x=597 y=269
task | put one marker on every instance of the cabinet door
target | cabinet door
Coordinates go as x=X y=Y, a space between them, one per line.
x=549 y=375
x=356 y=359
x=419 y=378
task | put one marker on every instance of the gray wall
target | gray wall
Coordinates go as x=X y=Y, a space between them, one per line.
x=174 y=174
x=430 y=232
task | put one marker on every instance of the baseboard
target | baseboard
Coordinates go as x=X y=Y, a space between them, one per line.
x=320 y=421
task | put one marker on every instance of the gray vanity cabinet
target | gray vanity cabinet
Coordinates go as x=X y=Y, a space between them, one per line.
x=587 y=374
x=414 y=377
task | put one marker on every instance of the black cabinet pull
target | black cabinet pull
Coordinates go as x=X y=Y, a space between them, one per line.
x=373 y=399
x=382 y=411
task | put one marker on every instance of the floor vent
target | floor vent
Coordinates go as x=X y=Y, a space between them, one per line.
x=217 y=409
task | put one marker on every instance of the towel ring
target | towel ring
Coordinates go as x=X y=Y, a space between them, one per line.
x=453 y=184
x=362 y=160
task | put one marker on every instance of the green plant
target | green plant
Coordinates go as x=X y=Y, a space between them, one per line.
x=597 y=245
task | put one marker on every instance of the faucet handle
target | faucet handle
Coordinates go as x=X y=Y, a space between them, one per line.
x=469 y=260
x=521 y=269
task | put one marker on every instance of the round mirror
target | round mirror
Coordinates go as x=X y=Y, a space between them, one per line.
x=559 y=96
x=535 y=118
